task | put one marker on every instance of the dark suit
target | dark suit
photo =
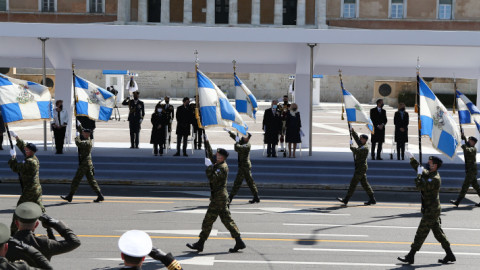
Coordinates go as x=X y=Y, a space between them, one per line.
x=272 y=125
x=401 y=121
x=135 y=116
x=184 y=119
x=378 y=118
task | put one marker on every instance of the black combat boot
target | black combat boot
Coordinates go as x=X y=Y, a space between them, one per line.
x=198 y=246
x=239 y=244
x=99 y=198
x=477 y=205
x=409 y=258
x=371 y=201
x=255 y=199
x=449 y=257
x=456 y=202
x=67 y=198
x=345 y=200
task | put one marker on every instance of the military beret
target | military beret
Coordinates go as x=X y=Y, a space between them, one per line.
x=436 y=160
x=222 y=152
x=32 y=147
x=87 y=130
x=135 y=243
x=4 y=233
x=28 y=212
x=473 y=139
x=365 y=136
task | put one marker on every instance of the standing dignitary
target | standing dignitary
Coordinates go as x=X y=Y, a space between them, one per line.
x=379 y=119
x=401 y=121
x=85 y=166
x=136 y=245
x=28 y=216
x=242 y=147
x=272 y=126
x=29 y=177
x=184 y=120
x=360 y=154
x=170 y=114
x=159 y=128
x=293 y=125
x=136 y=113
x=21 y=249
x=59 y=125
x=470 y=154
x=428 y=182
x=217 y=173
x=284 y=108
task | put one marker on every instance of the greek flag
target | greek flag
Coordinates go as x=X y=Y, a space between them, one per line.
x=355 y=112
x=468 y=113
x=23 y=100
x=437 y=123
x=245 y=101
x=92 y=100
x=215 y=109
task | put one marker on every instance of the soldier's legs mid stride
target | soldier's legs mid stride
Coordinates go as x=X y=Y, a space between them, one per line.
x=214 y=210
x=362 y=178
x=87 y=171
x=244 y=173
x=470 y=180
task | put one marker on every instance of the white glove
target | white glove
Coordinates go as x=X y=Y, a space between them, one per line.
x=409 y=154
x=420 y=170
x=78 y=123
x=226 y=129
x=208 y=162
x=205 y=137
x=463 y=142
x=237 y=139
x=13 y=134
x=13 y=153
x=78 y=134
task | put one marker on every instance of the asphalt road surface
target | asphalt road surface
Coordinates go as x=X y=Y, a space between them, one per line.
x=289 y=229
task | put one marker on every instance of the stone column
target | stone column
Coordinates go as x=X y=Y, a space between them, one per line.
x=321 y=13
x=187 y=11
x=142 y=11
x=165 y=12
x=123 y=11
x=210 y=20
x=64 y=91
x=255 y=12
x=233 y=12
x=301 y=12
x=278 y=12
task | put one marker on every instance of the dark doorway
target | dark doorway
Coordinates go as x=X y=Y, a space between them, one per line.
x=289 y=12
x=221 y=11
x=154 y=7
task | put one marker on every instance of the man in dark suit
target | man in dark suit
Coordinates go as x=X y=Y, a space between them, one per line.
x=401 y=121
x=136 y=113
x=379 y=118
x=272 y=126
x=184 y=119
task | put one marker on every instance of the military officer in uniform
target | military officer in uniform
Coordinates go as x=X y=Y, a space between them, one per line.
x=12 y=246
x=136 y=113
x=428 y=182
x=28 y=170
x=217 y=173
x=136 y=245
x=470 y=154
x=85 y=166
x=360 y=153
x=242 y=147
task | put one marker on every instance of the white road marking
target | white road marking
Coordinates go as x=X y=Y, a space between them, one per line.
x=381 y=251
x=372 y=226
x=198 y=193
x=203 y=211
x=179 y=232
x=201 y=260
x=342 y=131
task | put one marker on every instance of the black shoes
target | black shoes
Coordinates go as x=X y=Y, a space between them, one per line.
x=455 y=202
x=449 y=257
x=371 y=201
x=239 y=244
x=67 y=198
x=185 y=155
x=198 y=246
x=99 y=198
x=409 y=258
x=477 y=205
x=254 y=200
x=177 y=154
x=230 y=198
x=343 y=200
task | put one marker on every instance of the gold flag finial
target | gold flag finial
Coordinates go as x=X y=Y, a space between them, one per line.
x=195 y=52
x=234 y=62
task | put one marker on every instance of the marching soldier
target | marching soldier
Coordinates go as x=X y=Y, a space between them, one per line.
x=136 y=113
x=28 y=216
x=242 y=147
x=217 y=173
x=85 y=166
x=470 y=154
x=29 y=176
x=360 y=153
x=428 y=182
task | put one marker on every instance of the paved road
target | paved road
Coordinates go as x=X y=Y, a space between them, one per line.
x=289 y=229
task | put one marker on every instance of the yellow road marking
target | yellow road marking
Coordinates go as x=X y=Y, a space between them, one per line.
x=106 y=201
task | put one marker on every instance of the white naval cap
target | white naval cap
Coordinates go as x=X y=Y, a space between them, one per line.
x=135 y=243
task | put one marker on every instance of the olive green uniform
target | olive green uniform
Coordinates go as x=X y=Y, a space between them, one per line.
x=85 y=165
x=470 y=154
x=429 y=184
x=18 y=265
x=29 y=175
x=244 y=168
x=217 y=176
x=360 y=154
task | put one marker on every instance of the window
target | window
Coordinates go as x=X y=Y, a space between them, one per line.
x=3 y=5
x=96 y=6
x=48 y=6
x=445 y=9
x=396 y=10
x=349 y=8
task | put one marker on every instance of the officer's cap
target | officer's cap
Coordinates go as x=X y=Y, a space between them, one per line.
x=365 y=136
x=436 y=160
x=28 y=212
x=222 y=152
x=473 y=139
x=135 y=243
x=87 y=130
x=4 y=233
x=32 y=147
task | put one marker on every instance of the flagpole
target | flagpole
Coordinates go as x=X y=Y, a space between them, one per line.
x=44 y=78
x=343 y=107
x=455 y=102
x=74 y=97
x=418 y=113
x=197 y=98
x=234 y=62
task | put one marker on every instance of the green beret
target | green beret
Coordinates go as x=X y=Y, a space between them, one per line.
x=436 y=160
x=28 y=212
x=222 y=152
x=473 y=139
x=4 y=233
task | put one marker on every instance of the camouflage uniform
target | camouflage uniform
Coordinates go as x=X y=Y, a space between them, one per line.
x=360 y=153
x=470 y=154
x=429 y=184
x=85 y=165
x=217 y=176
x=244 y=168
x=32 y=189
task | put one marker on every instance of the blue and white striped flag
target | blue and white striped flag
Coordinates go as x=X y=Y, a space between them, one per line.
x=92 y=100
x=24 y=100
x=468 y=113
x=245 y=101
x=355 y=112
x=215 y=109
x=437 y=123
